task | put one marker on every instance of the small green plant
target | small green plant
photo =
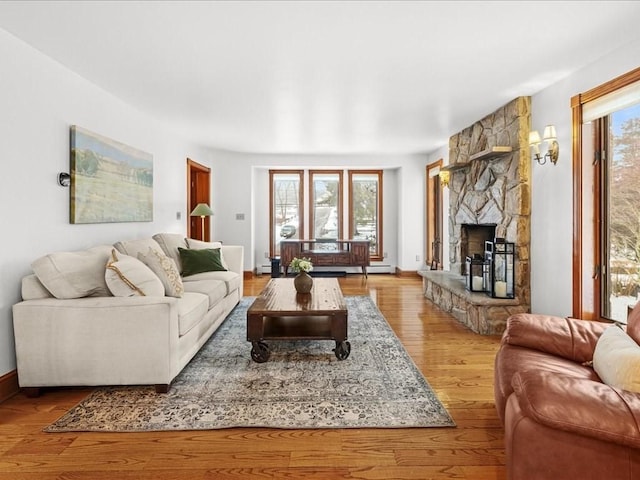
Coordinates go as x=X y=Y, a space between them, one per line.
x=301 y=265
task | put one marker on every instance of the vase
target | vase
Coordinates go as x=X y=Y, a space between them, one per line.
x=303 y=282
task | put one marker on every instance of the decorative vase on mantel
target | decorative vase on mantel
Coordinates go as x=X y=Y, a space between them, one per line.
x=303 y=282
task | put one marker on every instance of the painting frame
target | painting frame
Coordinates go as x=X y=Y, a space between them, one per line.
x=110 y=182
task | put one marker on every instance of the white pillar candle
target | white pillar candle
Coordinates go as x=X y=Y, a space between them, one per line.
x=476 y=283
x=500 y=289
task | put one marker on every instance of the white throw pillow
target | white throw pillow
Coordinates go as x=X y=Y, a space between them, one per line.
x=616 y=360
x=166 y=270
x=127 y=277
x=74 y=274
x=200 y=245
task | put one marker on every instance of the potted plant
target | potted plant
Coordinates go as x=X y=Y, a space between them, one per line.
x=302 y=281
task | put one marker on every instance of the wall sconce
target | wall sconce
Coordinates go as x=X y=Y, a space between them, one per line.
x=553 y=149
x=444 y=178
x=64 y=179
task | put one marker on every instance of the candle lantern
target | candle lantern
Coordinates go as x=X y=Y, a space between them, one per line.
x=501 y=257
x=477 y=273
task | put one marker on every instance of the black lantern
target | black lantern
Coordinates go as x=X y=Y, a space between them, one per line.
x=477 y=273
x=501 y=257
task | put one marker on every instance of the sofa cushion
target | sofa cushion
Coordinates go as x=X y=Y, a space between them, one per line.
x=192 y=307
x=215 y=290
x=512 y=358
x=74 y=274
x=566 y=337
x=127 y=277
x=134 y=247
x=633 y=323
x=166 y=270
x=617 y=360
x=200 y=245
x=33 y=289
x=232 y=280
x=198 y=261
x=170 y=242
x=576 y=405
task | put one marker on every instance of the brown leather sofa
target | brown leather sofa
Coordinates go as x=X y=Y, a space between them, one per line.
x=561 y=421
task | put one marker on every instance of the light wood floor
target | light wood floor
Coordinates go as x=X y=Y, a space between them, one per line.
x=457 y=363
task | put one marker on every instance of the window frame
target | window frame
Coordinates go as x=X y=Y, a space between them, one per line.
x=377 y=254
x=272 y=177
x=340 y=207
x=587 y=296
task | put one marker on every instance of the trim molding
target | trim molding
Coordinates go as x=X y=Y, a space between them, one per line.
x=406 y=273
x=9 y=385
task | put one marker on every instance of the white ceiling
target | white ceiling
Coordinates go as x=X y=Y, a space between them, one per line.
x=324 y=76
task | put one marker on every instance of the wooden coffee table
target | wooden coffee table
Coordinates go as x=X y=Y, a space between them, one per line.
x=279 y=313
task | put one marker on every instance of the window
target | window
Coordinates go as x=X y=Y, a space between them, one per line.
x=365 y=209
x=607 y=250
x=287 y=214
x=326 y=204
x=325 y=207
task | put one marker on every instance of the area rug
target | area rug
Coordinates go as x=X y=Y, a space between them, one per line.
x=302 y=385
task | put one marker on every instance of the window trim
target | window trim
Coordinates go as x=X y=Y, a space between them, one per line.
x=580 y=309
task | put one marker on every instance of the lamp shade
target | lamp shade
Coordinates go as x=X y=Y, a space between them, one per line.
x=549 y=133
x=534 y=138
x=202 y=210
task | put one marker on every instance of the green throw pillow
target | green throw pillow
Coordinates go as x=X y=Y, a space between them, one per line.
x=198 y=261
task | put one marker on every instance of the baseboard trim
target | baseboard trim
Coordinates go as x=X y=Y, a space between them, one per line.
x=406 y=273
x=9 y=385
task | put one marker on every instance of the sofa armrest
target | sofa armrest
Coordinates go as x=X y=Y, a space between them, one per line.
x=96 y=341
x=565 y=337
x=234 y=257
x=577 y=405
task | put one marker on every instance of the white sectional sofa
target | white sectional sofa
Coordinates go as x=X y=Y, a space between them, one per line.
x=123 y=314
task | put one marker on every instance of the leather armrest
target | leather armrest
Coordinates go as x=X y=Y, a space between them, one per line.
x=586 y=407
x=565 y=337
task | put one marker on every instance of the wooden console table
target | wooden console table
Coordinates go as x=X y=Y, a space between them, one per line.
x=326 y=253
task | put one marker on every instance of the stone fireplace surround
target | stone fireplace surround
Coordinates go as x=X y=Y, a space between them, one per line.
x=490 y=170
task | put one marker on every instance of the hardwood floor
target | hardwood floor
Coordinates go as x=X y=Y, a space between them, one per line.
x=457 y=363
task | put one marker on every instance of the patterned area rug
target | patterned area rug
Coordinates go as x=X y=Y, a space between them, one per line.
x=303 y=385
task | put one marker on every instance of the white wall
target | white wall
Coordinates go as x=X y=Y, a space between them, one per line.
x=241 y=185
x=552 y=186
x=40 y=100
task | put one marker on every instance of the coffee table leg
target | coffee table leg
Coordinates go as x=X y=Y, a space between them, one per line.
x=260 y=352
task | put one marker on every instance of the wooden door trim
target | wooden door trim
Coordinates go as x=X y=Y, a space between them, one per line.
x=195 y=167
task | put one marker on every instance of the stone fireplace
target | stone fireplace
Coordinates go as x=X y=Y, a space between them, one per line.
x=490 y=169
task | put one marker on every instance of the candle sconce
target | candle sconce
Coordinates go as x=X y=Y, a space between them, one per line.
x=501 y=257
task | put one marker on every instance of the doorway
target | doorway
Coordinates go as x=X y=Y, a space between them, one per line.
x=433 y=250
x=198 y=191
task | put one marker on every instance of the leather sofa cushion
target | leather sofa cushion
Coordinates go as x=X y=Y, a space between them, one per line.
x=512 y=358
x=192 y=307
x=577 y=405
x=566 y=337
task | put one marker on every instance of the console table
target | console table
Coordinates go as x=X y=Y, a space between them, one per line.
x=326 y=253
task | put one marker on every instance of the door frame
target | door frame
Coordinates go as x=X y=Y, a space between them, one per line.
x=198 y=191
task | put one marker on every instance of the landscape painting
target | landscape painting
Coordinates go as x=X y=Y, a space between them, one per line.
x=110 y=181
